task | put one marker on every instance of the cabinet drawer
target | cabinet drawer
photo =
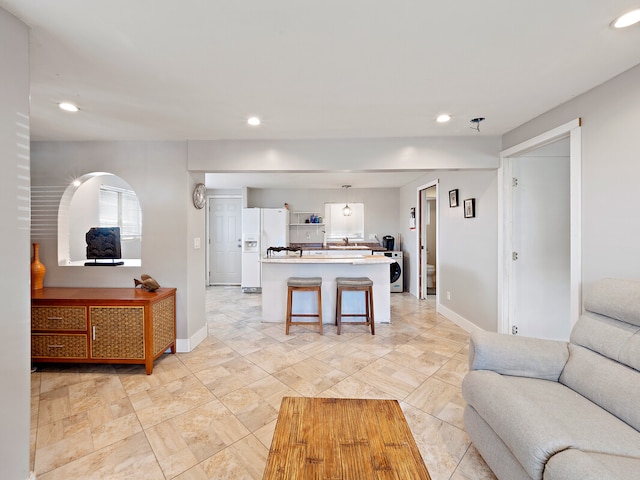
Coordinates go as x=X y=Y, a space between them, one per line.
x=59 y=346
x=59 y=318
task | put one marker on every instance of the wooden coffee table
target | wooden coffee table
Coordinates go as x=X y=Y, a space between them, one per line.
x=336 y=438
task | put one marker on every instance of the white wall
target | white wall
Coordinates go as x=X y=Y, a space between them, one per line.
x=610 y=173
x=15 y=249
x=158 y=174
x=380 y=208
x=372 y=154
x=467 y=247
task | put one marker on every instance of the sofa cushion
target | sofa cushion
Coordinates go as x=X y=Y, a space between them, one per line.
x=517 y=356
x=619 y=341
x=538 y=418
x=616 y=298
x=493 y=450
x=581 y=465
x=609 y=384
x=531 y=435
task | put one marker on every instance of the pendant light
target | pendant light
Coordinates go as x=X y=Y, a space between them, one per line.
x=346 y=211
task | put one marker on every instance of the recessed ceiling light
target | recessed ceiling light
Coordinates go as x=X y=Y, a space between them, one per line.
x=443 y=118
x=68 y=107
x=628 y=19
x=253 y=121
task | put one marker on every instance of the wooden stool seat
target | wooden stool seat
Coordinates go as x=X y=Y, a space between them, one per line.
x=304 y=284
x=355 y=284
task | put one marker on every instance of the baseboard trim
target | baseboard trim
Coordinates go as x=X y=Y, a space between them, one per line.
x=185 y=345
x=462 y=322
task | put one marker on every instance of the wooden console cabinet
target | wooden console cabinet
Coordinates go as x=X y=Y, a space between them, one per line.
x=102 y=325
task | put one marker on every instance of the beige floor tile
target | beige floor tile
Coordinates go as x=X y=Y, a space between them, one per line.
x=167 y=401
x=194 y=473
x=251 y=341
x=250 y=408
x=432 y=396
x=272 y=390
x=225 y=465
x=130 y=458
x=391 y=378
x=352 y=387
x=51 y=455
x=231 y=375
x=211 y=413
x=473 y=467
x=346 y=358
x=453 y=371
x=54 y=405
x=53 y=380
x=441 y=445
x=118 y=429
x=209 y=428
x=426 y=363
x=265 y=434
x=276 y=357
x=310 y=377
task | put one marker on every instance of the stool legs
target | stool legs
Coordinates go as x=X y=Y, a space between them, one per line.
x=289 y=321
x=368 y=301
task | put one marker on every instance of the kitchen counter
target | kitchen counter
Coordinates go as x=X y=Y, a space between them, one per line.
x=328 y=258
x=276 y=271
x=374 y=247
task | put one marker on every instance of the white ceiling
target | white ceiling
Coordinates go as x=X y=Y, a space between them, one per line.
x=196 y=69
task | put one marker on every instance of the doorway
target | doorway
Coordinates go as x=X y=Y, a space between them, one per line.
x=225 y=240
x=539 y=223
x=541 y=243
x=427 y=240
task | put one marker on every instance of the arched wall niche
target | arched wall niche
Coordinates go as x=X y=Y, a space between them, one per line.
x=79 y=211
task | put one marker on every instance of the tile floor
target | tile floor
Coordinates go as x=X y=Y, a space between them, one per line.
x=210 y=413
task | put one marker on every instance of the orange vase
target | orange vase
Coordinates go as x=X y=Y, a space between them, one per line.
x=37 y=269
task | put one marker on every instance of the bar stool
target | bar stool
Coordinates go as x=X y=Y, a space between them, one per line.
x=304 y=284
x=357 y=284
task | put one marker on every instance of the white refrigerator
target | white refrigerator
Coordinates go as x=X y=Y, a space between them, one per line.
x=261 y=228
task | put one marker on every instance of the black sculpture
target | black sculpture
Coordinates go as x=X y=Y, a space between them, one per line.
x=103 y=243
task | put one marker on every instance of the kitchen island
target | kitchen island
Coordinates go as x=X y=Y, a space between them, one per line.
x=276 y=271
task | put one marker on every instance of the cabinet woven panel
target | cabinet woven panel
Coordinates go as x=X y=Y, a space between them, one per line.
x=59 y=318
x=163 y=325
x=58 y=346
x=119 y=332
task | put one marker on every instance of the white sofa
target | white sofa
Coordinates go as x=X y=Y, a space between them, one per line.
x=544 y=409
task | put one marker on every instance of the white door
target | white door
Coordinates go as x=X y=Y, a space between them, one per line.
x=225 y=241
x=541 y=270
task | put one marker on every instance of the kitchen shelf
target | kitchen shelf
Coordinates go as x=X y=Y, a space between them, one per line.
x=298 y=219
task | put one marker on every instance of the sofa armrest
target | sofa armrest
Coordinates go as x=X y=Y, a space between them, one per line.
x=517 y=356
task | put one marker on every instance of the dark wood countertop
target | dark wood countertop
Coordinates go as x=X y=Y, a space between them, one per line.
x=318 y=246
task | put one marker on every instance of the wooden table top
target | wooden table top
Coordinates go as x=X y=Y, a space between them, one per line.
x=69 y=295
x=340 y=438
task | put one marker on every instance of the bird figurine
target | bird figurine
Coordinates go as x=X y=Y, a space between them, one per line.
x=146 y=283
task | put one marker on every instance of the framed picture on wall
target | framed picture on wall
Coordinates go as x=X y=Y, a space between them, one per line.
x=470 y=208
x=453 y=198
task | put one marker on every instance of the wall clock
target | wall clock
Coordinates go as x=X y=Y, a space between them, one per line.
x=199 y=195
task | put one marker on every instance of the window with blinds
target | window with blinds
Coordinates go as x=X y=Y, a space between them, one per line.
x=120 y=208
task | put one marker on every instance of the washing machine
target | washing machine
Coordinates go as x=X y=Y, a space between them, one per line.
x=397 y=284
